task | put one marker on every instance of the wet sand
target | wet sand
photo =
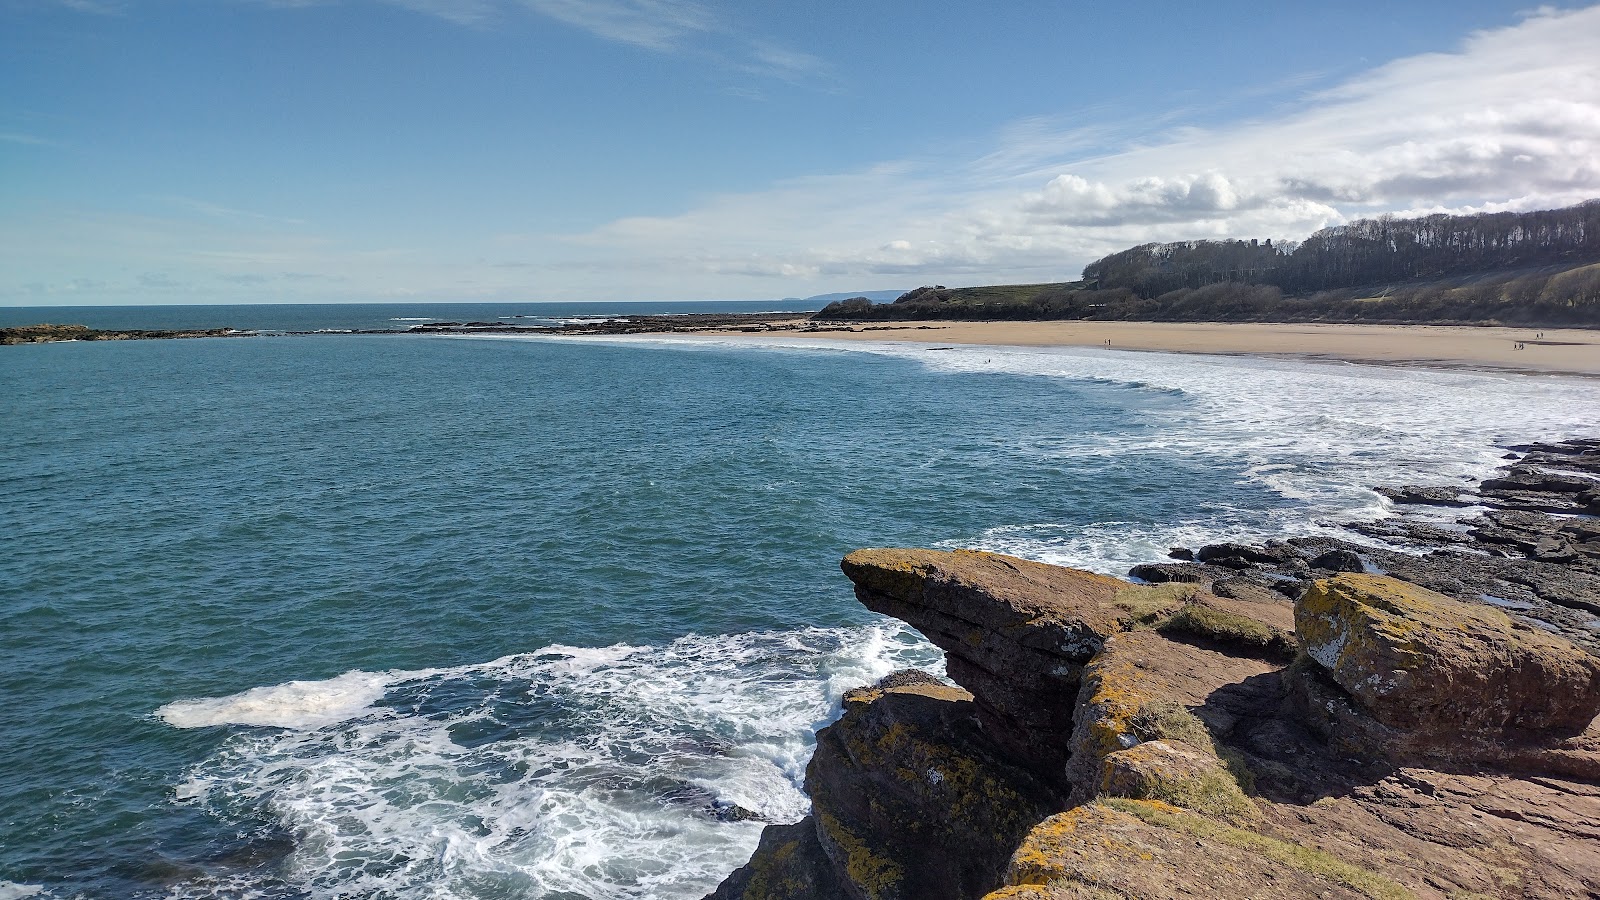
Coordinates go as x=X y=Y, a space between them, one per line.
x=1563 y=351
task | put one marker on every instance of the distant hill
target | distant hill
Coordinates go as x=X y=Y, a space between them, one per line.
x=824 y=299
x=1537 y=268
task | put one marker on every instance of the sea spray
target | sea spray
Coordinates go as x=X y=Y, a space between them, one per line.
x=623 y=771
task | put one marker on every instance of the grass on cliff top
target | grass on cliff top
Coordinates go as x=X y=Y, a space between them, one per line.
x=1008 y=293
x=1222 y=795
x=1228 y=628
x=1298 y=856
x=1148 y=604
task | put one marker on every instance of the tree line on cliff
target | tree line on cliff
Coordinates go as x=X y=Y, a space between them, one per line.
x=1533 y=268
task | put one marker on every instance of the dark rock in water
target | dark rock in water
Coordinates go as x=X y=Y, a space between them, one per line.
x=1339 y=561
x=1181 y=553
x=1427 y=496
x=1244 y=556
x=1404 y=531
x=1534 y=501
x=904 y=678
x=45 y=334
x=684 y=793
x=1186 y=573
x=727 y=811
x=1532 y=480
x=1587 y=461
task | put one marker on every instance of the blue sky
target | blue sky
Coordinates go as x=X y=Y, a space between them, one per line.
x=214 y=151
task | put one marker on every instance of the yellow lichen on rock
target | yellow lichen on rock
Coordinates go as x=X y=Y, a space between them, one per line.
x=874 y=874
x=1415 y=659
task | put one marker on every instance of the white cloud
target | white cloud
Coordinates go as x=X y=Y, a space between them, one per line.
x=681 y=27
x=656 y=24
x=1511 y=120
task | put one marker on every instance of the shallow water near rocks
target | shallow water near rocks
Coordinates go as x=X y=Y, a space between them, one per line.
x=439 y=617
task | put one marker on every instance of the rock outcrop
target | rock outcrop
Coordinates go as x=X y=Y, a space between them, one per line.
x=45 y=334
x=1108 y=739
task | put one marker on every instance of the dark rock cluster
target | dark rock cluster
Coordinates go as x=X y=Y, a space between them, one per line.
x=1532 y=549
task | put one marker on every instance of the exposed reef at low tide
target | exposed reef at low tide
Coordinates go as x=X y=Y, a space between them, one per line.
x=45 y=334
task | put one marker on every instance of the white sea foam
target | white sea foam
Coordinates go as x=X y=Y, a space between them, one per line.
x=295 y=704
x=574 y=772
x=10 y=890
x=1318 y=434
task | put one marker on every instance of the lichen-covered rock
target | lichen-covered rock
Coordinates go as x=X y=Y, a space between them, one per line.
x=1129 y=689
x=1189 y=774
x=1017 y=633
x=912 y=800
x=1417 y=660
x=1145 y=849
x=788 y=865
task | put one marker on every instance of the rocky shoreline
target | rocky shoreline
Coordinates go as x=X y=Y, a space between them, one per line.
x=1304 y=718
x=688 y=323
x=45 y=334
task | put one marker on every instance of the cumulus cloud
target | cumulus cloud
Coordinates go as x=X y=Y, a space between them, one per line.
x=1509 y=120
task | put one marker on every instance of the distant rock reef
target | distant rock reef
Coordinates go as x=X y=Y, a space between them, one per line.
x=44 y=334
x=1314 y=718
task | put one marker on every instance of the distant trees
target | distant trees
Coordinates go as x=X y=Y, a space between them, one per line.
x=1535 y=268
x=1368 y=252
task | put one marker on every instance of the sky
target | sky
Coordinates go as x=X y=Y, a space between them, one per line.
x=320 y=151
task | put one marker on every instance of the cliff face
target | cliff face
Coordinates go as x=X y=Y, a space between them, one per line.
x=1375 y=739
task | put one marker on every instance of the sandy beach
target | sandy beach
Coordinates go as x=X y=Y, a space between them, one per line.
x=1551 y=351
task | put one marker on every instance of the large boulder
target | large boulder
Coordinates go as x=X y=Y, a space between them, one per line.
x=1416 y=660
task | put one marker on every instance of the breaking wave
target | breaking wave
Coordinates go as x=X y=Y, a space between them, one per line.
x=608 y=772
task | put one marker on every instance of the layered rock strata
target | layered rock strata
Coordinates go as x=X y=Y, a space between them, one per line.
x=1375 y=739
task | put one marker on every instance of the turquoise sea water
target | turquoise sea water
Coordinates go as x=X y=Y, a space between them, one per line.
x=349 y=616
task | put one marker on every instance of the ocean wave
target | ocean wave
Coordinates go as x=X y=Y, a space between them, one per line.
x=618 y=771
x=1316 y=433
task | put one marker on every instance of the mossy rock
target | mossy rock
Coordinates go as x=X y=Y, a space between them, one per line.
x=1142 y=849
x=1210 y=622
x=1415 y=659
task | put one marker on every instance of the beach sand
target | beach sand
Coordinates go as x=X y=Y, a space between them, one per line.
x=1561 y=350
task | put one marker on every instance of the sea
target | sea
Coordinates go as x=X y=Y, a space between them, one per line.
x=403 y=616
